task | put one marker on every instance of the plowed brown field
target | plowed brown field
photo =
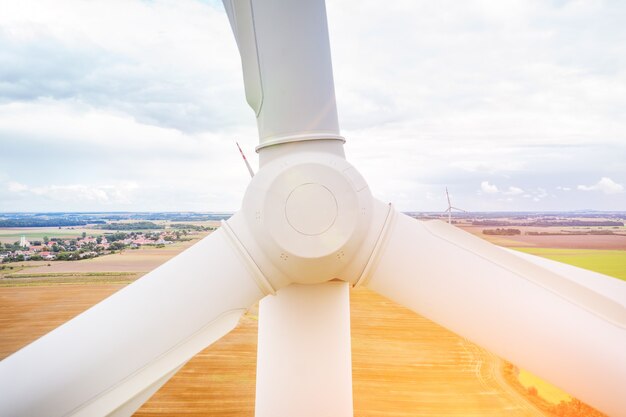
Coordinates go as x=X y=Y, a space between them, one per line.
x=610 y=242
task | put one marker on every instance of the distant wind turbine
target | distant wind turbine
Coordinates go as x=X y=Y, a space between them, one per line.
x=450 y=208
x=245 y=160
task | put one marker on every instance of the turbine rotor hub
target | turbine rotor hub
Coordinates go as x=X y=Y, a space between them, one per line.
x=311 y=209
x=307 y=214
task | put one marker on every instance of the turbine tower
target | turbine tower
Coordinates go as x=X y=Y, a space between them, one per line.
x=309 y=230
x=450 y=208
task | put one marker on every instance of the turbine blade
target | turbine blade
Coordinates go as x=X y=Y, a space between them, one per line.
x=304 y=361
x=287 y=69
x=108 y=359
x=541 y=321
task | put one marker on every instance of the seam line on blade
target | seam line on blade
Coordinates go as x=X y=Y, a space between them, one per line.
x=261 y=280
x=258 y=59
x=155 y=360
x=168 y=376
x=372 y=261
x=609 y=315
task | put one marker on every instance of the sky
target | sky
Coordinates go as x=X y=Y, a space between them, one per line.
x=136 y=105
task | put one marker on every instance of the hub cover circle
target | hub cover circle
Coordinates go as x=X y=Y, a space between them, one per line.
x=311 y=209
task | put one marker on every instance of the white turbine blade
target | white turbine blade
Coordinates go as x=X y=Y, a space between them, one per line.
x=285 y=57
x=562 y=331
x=304 y=361
x=108 y=359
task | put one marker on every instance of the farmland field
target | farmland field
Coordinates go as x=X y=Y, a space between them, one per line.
x=13 y=234
x=608 y=262
x=563 y=241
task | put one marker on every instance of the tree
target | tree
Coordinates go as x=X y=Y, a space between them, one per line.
x=117 y=246
x=84 y=235
x=46 y=239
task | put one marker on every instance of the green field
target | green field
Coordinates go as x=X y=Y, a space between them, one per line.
x=608 y=262
x=11 y=235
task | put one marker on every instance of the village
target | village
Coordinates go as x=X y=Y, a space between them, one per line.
x=83 y=246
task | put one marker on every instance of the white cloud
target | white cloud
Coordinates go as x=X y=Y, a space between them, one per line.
x=488 y=188
x=605 y=185
x=560 y=188
x=163 y=64
x=78 y=193
x=541 y=192
x=16 y=187
x=514 y=191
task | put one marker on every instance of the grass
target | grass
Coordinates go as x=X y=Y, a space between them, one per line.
x=65 y=278
x=11 y=235
x=29 y=282
x=69 y=274
x=608 y=262
x=20 y=277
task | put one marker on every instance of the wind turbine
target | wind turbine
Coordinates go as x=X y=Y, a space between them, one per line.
x=245 y=160
x=309 y=229
x=450 y=208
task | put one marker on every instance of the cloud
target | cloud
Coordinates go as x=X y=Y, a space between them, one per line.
x=171 y=72
x=541 y=192
x=488 y=188
x=514 y=191
x=560 y=188
x=79 y=193
x=514 y=93
x=605 y=185
x=16 y=187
